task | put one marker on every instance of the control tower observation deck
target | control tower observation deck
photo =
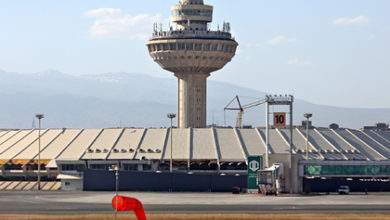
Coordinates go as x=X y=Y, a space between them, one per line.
x=192 y=51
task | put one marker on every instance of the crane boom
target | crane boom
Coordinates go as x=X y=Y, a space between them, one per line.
x=241 y=108
x=253 y=104
x=238 y=101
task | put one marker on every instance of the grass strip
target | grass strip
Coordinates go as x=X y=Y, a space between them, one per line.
x=128 y=216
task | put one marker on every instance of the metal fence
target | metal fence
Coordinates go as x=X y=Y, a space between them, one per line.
x=100 y=180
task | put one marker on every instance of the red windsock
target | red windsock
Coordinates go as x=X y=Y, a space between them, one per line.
x=129 y=204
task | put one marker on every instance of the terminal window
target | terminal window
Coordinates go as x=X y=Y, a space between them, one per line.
x=361 y=170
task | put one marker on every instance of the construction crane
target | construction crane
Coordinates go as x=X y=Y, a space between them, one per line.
x=241 y=108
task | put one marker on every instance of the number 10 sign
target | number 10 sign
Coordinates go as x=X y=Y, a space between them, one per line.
x=279 y=119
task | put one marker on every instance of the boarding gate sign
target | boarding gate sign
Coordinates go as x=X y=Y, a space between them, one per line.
x=255 y=163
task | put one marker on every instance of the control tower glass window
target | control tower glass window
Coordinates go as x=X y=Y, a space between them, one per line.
x=206 y=47
x=189 y=12
x=227 y=48
x=181 y=46
x=172 y=46
x=189 y=46
x=198 y=46
x=214 y=47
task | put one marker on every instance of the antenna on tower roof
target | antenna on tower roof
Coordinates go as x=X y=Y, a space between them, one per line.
x=226 y=27
x=155 y=28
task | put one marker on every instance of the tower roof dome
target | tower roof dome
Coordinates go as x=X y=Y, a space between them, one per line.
x=192 y=2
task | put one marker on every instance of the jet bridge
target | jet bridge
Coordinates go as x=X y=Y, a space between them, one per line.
x=271 y=180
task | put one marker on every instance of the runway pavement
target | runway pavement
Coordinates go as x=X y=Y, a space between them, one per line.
x=74 y=202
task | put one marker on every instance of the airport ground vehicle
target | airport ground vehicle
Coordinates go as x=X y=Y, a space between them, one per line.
x=271 y=180
x=343 y=190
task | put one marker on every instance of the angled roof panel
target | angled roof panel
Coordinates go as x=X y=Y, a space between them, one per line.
x=78 y=147
x=339 y=143
x=384 y=134
x=103 y=144
x=152 y=146
x=377 y=137
x=21 y=145
x=203 y=144
x=366 y=151
x=252 y=142
x=316 y=140
x=59 y=144
x=12 y=138
x=180 y=144
x=8 y=135
x=276 y=142
x=326 y=148
x=229 y=145
x=298 y=141
x=31 y=150
x=3 y=132
x=127 y=144
x=371 y=143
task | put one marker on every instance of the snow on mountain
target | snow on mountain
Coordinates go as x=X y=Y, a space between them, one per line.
x=140 y=100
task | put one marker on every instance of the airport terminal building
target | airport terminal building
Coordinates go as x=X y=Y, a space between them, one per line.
x=203 y=159
x=334 y=154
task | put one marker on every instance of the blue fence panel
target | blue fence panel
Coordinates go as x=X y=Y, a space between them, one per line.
x=101 y=180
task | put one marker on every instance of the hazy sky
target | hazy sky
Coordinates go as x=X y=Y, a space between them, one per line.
x=334 y=52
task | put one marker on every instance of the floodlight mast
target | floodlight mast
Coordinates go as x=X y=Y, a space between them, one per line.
x=171 y=116
x=39 y=117
x=280 y=100
x=116 y=168
x=277 y=100
x=307 y=116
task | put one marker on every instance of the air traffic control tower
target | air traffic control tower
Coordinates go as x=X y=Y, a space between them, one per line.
x=192 y=51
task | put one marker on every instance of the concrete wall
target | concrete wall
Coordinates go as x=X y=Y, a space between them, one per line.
x=192 y=100
x=71 y=184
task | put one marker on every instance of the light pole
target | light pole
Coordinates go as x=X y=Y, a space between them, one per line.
x=116 y=190
x=39 y=117
x=307 y=116
x=171 y=116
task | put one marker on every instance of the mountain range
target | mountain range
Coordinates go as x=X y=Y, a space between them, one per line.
x=140 y=100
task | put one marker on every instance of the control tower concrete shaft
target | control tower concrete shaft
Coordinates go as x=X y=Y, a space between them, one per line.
x=192 y=51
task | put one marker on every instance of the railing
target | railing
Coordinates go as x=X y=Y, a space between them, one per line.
x=192 y=33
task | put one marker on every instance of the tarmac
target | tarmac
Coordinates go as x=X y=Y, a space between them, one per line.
x=80 y=202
